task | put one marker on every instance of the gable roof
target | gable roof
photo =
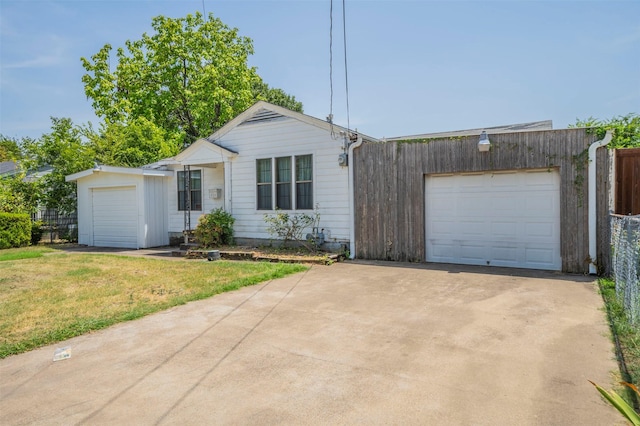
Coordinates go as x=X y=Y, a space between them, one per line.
x=509 y=128
x=263 y=111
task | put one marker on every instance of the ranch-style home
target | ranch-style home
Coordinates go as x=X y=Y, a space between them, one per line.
x=525 y=196
x=267 y=158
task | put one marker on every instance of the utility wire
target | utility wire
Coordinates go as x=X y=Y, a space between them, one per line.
x=346 y=75
x=330 y=118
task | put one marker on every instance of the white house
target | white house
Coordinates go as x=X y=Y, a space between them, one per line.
x=267 y=158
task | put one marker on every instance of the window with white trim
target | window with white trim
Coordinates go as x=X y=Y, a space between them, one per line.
x=195 y=190
x=293 y=178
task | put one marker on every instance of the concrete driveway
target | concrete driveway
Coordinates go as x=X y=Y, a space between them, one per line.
x=352 y=343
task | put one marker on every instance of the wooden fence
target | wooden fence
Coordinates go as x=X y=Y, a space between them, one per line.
x=628 y=181
x=389 y=188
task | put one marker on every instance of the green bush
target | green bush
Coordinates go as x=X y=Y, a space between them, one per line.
x=36 y=232
x=15 y=230
x=215 y=229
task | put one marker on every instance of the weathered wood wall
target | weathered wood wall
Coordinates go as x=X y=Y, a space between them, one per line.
x=389 y=187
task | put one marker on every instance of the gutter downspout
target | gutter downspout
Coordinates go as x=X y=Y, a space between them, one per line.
x=592 y=199
x=352 y=214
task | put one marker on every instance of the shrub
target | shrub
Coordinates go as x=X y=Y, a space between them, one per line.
x=290 y=227
x=15 y=230
x=215 y=229
x=36 y=232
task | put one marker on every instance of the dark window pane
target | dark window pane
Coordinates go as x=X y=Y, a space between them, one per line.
x=263 y=168
x=303 y=168
x=283 y=169
x=181 y=200
x=264 y=197
x=196 y=200
x=283 y=196
x=304 y=196
x=283 y=183
x=304 y=182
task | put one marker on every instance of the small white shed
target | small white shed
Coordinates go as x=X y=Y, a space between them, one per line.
x=122 y=207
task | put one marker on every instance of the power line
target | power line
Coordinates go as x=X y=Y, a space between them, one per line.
x=346 y=75
x=330 y=117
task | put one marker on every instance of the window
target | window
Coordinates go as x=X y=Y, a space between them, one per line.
x=263 y=169
x=283 y=183
x=304 y=182
x=281 y=171
x=195 y=190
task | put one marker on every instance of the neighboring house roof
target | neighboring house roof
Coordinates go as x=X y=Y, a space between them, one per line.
x=510 y=128
x=119 y=170
x=263 y=111
x=8 y=168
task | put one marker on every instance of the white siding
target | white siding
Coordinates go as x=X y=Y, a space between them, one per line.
x=287 y=137
x=146 y=198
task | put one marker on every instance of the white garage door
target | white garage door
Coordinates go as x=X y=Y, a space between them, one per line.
x=115 y=217
x=502 y=219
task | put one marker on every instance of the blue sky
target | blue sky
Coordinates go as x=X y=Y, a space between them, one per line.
x=414 y=66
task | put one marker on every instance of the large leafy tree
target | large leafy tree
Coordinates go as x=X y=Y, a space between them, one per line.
x=134 y=143
x=55 y=155
x=191 y=75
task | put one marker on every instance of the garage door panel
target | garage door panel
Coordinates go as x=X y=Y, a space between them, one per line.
x=504 y=229
x=115 y=217
x=502 y=219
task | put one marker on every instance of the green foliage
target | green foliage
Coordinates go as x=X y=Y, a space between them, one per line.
x=262 y=91
x=290 y=226
x=18 y=195
x=134 y=143
x=215 y=229
x=626 y=129
x=9 y=149
x=620 y=404
x=15 y=230
x=36 y=232
x=189 y=76
x=65 y=151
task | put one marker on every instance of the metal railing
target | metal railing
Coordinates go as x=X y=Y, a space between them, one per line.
x=57 y=226
x=625 y=263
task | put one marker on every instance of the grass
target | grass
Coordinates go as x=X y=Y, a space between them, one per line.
x=23 y=253
x=51 y=298
x=627 y=335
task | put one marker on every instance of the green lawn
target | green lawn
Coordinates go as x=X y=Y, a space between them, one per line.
x=49 y=298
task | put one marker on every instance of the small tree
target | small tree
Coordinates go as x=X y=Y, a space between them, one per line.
x=65 y=151
x=290 y=227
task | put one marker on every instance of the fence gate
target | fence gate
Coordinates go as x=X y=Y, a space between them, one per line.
x=628 y=181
